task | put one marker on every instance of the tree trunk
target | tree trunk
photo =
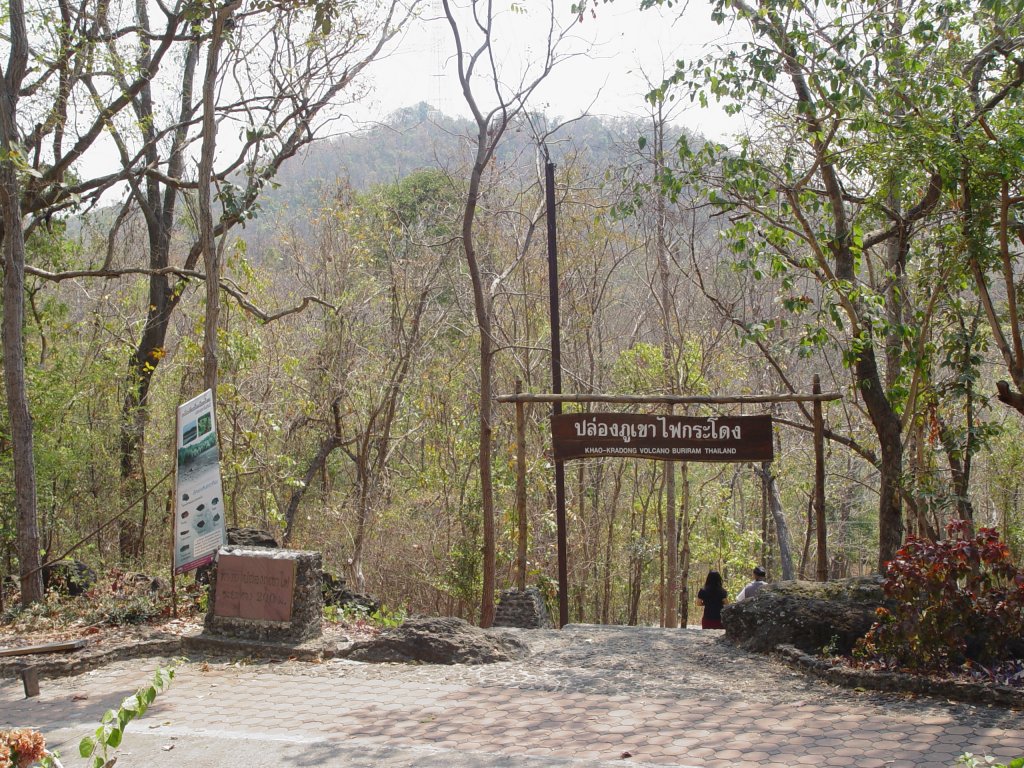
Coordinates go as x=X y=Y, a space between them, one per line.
x=884 y=419
x=670 y=606
x=781 y=528
x=1006 y=395
x=636 y=557
x=211 y=258
x=805 y=553
x=319 y=460
x=819 y=486
x=362 y=522
x=887 y=426
x=613 y=505
x=521 y=519
x=684 y=547
x=371 y=454
x=29 y=559
x=482 y=308
x=486 y=488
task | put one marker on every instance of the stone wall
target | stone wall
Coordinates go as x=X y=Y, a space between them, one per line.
x=524 y=610
x=305 y=617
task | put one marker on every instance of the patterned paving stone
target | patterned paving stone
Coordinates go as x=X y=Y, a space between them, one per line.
x=572 y=701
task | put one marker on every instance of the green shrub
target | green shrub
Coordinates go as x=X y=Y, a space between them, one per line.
x=382 y=618
x=952 y=600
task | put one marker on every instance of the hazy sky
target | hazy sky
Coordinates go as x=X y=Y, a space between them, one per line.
x=619 y=51
x=616 y=54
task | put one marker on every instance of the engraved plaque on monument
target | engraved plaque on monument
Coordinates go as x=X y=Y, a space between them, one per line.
x=254 y=588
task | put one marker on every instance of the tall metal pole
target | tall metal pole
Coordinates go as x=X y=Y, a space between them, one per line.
x=556 y=388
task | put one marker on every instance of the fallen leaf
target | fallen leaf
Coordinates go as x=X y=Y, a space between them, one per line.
x=80 y=697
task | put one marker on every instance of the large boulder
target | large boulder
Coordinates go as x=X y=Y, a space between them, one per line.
x=443 y=640
x=239 y=537
x=68 y=577
x=810 y=615
x=337 y=593
x=251 y=537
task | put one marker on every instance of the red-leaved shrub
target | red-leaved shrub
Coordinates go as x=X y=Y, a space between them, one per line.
x=951 y=600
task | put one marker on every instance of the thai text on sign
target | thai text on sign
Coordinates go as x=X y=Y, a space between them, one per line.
x=665 y=437
x=254 y=587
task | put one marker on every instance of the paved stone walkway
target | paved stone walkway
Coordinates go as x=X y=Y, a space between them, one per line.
x=587 y=696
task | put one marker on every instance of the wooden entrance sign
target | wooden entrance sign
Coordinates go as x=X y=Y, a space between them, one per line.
x=570 y=443
x=664 y=437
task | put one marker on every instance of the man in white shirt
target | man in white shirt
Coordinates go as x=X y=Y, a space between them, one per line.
x=755 y=586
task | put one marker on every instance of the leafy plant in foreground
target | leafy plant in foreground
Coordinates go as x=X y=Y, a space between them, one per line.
x=111 y=730
x=953 y=600
x=986 y=761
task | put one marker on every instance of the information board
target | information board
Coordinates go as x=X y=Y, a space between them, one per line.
x=199 y=501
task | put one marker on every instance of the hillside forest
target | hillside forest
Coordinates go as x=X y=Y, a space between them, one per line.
x=180 y=214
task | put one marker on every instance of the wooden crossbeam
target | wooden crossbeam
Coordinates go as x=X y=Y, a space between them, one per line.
x=63 y=646
x=532 y=397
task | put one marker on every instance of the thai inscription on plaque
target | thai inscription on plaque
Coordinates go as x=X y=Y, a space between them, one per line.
x=254 y=588
x=669 y=438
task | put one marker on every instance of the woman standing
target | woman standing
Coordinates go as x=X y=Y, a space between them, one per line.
x=712 y=597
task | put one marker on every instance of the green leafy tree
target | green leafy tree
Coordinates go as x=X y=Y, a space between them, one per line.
x=830 y=203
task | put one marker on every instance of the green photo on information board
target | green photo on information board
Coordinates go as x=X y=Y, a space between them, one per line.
x=199 y=500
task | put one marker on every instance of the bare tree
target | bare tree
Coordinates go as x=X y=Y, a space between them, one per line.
x=221 y=17
x=56 y=73
x=473 y=28
x=286 y=80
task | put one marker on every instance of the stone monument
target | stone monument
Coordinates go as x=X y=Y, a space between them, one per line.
x=267 y=595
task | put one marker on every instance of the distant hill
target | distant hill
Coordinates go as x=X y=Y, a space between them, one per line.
x=421 y=137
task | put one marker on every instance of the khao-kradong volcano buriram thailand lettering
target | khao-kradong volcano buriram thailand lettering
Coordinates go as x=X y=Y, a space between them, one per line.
x=679 y=438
